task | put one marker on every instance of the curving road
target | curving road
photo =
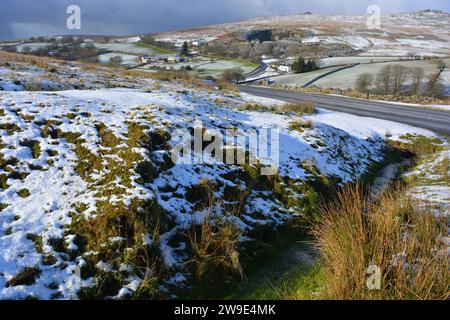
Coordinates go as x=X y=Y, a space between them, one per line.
x=437 y=121
x=256 y=73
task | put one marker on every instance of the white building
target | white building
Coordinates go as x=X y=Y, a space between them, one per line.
x=147 y=59
x=285 y=68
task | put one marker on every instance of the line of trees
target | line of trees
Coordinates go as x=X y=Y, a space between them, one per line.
x=115 y=61
x=160 y=44
x=302 y=65
x=399 y=80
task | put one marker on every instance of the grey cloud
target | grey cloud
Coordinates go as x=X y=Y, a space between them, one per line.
x=22 y=18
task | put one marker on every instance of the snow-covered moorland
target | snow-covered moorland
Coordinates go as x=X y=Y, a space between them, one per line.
x=92 y=206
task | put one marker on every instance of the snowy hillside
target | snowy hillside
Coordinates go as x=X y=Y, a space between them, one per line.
x=89 y=194
x=425 y=32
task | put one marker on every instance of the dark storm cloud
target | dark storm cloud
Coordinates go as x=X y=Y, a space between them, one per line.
x=22 y=18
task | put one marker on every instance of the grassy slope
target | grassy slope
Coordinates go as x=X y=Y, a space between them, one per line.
x=304 y=282
x=155 y=49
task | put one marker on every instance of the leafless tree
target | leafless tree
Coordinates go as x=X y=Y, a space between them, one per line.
x=399 y=77
x=434 y=87
x=235 y=74
x=364 y=83
x=417 y=77
x=26 y=50
x=115 y=61
x=440 y=64
x=384 y=80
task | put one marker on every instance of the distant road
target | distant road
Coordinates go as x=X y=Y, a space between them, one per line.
x=257 y=72
x=437 y=121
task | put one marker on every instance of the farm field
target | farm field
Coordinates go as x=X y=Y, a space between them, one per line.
x=335 y=61
x=32 y=46
x=131 y=48
x=204 y=66
x=298 y=80
x=127 y=59
x=347 y=78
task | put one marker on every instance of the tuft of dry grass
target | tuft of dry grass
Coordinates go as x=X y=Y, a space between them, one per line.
x=393 y=233
x=302 y=108
x=226 y=85
x=26 y=276
x=215 y=244
x=300 y=125
x=444 y=168
x=257 y=107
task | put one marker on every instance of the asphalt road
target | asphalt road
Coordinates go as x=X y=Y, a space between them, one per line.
x=257 y=72
x=437 y=121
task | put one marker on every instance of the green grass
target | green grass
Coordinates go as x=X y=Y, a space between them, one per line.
x=418 y=145
x=156 y=50
x=245 y=63
x=300 y=283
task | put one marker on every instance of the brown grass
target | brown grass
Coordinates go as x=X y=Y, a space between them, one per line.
x=40 y=62
x=256 y=107
x=215 y=244
x=226 y=85
x=393 y=233
x=300 y=125
x=303 y=108
x=444 y=168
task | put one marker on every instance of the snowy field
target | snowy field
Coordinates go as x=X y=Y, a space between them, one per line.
x=445 y=78
x=129 y=48
x=347 y=78
x=298 y=80
x=127 y=59
x=432 y=187
x=32 y=46
x=336 y=61
x=356 y=42
x=208 y=67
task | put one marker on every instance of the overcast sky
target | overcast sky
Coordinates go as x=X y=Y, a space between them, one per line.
x=25 y=18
